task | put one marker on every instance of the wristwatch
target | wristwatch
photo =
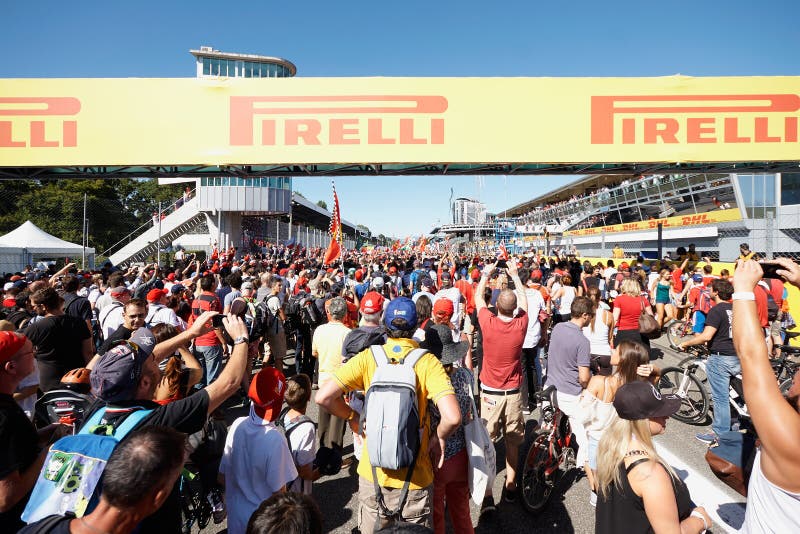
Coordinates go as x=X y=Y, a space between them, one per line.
x=241 y=339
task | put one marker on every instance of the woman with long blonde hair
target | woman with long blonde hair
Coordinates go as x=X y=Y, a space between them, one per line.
x=637 y=491
x=632 y=362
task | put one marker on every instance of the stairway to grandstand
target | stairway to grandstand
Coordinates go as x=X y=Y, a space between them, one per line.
x=143 y=242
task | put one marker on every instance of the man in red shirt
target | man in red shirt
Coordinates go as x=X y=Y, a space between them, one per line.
x=209 y=348
x=501 y=373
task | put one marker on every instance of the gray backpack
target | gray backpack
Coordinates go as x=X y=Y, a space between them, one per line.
x=391 y=416
x=392 y=412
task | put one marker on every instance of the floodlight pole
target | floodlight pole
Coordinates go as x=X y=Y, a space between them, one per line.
x=84 y=239
x=158 y=243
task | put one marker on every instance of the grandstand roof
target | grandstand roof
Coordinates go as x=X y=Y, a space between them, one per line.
x=305 y=210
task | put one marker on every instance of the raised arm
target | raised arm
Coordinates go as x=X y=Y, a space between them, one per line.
x=480 y=302
x=231 y=376
x=776 y=421
x=519 y=289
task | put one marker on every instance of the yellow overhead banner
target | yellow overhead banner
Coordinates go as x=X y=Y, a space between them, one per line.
x=711 y=217
x=62 y=122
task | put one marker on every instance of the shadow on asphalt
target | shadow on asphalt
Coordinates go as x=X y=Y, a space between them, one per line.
x=333 y=495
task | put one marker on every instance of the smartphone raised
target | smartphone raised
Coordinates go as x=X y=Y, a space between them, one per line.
x=771 y=270
x=216 y=321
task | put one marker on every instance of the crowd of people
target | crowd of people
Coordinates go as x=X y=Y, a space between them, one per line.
x=397 y=347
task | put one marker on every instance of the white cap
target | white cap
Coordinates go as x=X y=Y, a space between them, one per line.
x=9 y=285
x=377 y=282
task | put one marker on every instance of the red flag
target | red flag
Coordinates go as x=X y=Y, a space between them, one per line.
x=335 y=247
x=422 y=243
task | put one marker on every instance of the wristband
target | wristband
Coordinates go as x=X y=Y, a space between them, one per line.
x=744 y=295
x=352 y=414
x=700 y=516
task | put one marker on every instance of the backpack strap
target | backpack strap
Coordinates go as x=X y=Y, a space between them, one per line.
x=118 y=430
x=379 y=355
x=396 y=514
x=413 y=357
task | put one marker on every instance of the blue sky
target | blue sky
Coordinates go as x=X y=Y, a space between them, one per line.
x=410 y=38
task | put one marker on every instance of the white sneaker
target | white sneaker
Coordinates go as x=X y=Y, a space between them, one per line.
x=593 y=499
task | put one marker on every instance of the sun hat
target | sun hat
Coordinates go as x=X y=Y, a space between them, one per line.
x=451 y=351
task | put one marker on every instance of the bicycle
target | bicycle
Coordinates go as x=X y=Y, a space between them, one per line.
x=679 y=331
x=550 y=455
x=682 y=382
x=785 y=368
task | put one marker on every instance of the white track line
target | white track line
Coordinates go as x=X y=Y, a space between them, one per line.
x=725 y=511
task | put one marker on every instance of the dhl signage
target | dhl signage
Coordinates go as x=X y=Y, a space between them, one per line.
x=711 y=217
x=397 y=120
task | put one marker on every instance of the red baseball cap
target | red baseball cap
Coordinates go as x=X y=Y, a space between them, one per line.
x=266 y=391
x=372 y=302
x=171 y=277
x=10 y=344
x=443 y=308
x=156 y=294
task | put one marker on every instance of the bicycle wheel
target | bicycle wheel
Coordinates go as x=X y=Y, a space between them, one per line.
x=694 y=398
x=699 y=372
x=677 y=332
x=785 y=386
x=538 y=473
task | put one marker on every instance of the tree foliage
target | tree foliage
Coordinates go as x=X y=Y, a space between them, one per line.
x=114 y=207
x=322 y=204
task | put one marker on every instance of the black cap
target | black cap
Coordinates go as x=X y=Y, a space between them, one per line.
x=641 y=400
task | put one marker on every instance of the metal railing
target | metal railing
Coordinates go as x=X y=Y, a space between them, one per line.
x=111 y=250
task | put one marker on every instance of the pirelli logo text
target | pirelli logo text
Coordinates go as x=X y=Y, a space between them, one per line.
x=38 y=122
x=692 y=119
x=337 y=120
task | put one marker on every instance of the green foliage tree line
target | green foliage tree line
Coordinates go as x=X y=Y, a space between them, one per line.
x=114 y=207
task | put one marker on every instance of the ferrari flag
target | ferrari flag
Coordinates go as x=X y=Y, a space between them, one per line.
x=335 y=248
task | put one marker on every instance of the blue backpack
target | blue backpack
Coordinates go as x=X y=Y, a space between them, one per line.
x=70 y=477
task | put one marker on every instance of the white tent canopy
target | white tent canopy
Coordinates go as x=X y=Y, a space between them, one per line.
x=18 y=247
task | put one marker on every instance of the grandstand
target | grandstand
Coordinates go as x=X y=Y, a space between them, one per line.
x=715 y=211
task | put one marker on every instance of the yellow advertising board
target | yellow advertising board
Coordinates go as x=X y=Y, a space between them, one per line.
x=62 y=122
x=711 y=217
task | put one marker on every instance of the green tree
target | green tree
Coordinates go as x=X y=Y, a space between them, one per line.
x=322 y=204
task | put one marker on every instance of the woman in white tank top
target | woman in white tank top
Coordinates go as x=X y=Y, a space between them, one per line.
x=564 y=296
x=599 y=333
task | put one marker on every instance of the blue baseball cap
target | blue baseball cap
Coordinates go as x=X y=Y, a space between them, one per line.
x=401 y=314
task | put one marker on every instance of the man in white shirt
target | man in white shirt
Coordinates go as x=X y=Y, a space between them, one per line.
x=110 y=317
x=256 y=462
x=157 y=310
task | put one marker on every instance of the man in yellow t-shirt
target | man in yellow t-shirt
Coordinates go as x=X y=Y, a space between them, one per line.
x=617 y=252
x=326 y=346
x=400 y=319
